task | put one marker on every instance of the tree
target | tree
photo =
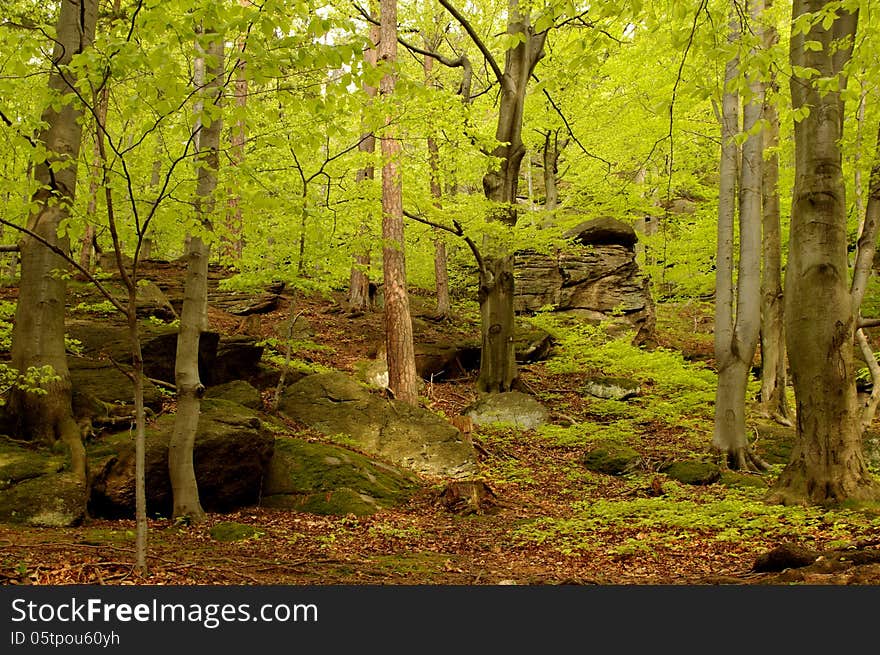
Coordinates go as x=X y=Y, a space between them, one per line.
x=193 y=316
x=737 y=316
x=399 y=349
x=498 y=370
x=38 y=334
x=827 y=464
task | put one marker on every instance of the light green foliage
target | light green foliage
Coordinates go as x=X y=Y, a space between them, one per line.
x=731 y=515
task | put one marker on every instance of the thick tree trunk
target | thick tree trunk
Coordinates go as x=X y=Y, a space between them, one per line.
x=498 y=370
x=193 y=316
x=774 y=376
x=402 y=377
x=359 y=282
x=827 y=464
x=38 y=333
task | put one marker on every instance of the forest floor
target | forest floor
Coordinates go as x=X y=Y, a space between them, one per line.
x=554 y=522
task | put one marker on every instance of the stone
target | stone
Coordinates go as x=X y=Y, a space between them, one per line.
x=531 y=343
x=102 y=380
x=55 y=500
x=237 y=391
x=611 y=388
x=693 y=472
x=596 y=278
x=612 y=459
x=514 y=408
x=18 y=463
x=231 y=453
x=328 y=479
x=231 y=531
x=237 y=358
x=152 y=302
x=406 y=435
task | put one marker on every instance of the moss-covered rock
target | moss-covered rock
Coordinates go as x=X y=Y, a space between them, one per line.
x=18 y=464
x=57 y=500
x=237 y=391
x=612 y=459
x=511 y=408
x=232 y=531
x=328 y=479
x=693 y=472
x=611 y=388
x=231 y=453
x=743 y=480
x=415 y=438
x=774 y=442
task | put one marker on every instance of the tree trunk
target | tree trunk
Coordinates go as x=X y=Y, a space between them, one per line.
x=774 y=400
x=233 y=241
x=827 y=464
x=551 y=169
x=498 y=370
x=193 y=316
x=402 y=377
x=38 y=332
x=359 y=284
x=737 y=321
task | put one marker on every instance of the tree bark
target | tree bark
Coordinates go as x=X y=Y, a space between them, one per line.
x=359 y=282
x=774 y=376
x=193 y=316
x=827 y=464
x=402 y=377
x=38 y=332
x=551 y=168
x=233 y=239
x=737 y=316
x=441 y=274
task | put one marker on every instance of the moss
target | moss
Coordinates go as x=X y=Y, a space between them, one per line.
x=693 y=472
x=612 y=459
x=102 y=536
x=232 y=531
x=743 y=480
x=339 y=502
x=18 y=464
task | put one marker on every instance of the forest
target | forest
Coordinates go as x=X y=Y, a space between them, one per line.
x=509 y=292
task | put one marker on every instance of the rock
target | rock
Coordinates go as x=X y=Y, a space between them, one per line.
x=56 y=500
x=531 y=344
x=603 y=232
x=612 y=459
x=18 y=463
x=152 y=301
x=231 y=452
x=231 y=531
x=510 y=408
x=261 y=304
x=102 y=380
x=237 y=358
x=327 y=479
x=405 y=435
x=785 y=556
x=237 y=391
x=596 y=278
x=693 y=472
x=372 y=372
x=743 y=480
x=611 y=388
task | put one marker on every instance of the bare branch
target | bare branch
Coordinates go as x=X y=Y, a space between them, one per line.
x=487 y=54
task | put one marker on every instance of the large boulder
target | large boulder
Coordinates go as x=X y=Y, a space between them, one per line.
x=408 y=436
x=237 y=391
x=327 y=479
x=510 y=408
x=596 y=278
x=34 y=490
x=55 y=500
x=102 y=380
x=231 y=453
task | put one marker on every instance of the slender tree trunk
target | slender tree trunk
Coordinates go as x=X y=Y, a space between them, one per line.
x=827 y=464
x=359 y=284
x=498 y=370
x=233 y=240
x=774 y=376
x=402 y=377
x=441 y=274
x=193 y=317
x=737 y=317
x=551 y=169
x=38 y=333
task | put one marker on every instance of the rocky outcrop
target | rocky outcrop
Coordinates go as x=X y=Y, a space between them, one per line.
x=326 y=479
x=414 y=438
x=231 y=453
x=511 y=408
x=596 y=277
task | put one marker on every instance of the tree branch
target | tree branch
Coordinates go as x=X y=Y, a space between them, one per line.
x=481 y=46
